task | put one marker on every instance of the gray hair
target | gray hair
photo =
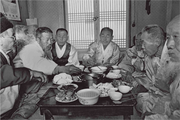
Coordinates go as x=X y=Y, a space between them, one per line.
x=22 y=29
x=108 y=29
x=157 y=34
x=41 y=30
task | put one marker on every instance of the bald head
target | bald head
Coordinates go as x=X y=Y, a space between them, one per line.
x=174 y=21
x=173 y=39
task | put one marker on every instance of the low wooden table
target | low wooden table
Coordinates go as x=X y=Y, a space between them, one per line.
x=105 y=106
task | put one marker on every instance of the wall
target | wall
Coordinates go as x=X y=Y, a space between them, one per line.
x=141 y=18
x=158 y=14
x=175 y=8
x=23 y=12
x=50 y=13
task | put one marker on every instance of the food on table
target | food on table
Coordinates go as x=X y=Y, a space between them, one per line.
x=70 y=87
x=76 y=78
x=67 y=93
x=103 y=88
x=113 y=75
x=117 y=83
x=62 y=78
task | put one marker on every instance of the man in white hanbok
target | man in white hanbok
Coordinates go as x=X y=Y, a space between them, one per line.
x=103 y=52
x=163 y=101
x=35 y=55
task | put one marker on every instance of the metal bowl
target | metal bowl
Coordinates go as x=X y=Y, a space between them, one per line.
x=89 y=78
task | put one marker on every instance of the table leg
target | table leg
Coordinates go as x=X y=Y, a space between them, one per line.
x=127 y=117
x=47 y=115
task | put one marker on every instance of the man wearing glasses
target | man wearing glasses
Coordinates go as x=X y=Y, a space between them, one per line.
x=12 y=79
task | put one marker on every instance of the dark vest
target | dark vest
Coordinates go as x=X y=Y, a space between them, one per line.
x=64 y=59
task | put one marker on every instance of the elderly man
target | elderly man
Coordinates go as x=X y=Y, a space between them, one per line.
x=13 y=79
x=36 y=57
x=153 y=39
x=63 y=53
x=132 y=55
x=103 y=52
x=164 y=102
x=33 y=55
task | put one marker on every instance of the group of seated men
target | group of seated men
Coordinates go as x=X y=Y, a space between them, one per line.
x=154 y=63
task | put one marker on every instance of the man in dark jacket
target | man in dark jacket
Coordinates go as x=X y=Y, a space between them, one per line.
x=13 y=78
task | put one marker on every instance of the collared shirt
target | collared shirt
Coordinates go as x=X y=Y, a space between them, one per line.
x=33 y=57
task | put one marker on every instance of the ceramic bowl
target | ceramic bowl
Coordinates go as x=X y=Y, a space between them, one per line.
x=124 y=88
x=114 y=66
x=115 y=95
x=98 y=69
x=88 y=96
x=112 y=75
x=116 y=71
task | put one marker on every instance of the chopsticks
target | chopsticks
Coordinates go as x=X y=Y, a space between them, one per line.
x=99 y=68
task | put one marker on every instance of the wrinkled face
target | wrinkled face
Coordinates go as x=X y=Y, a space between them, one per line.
x=148 y=46
x=45 y=39
x=173 y=41
x=21 y=33
x=8 y=40
x=105 y=37
x=61 y=37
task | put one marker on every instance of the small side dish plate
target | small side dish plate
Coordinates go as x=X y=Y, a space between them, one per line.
x=73 y=98
x=112 y=75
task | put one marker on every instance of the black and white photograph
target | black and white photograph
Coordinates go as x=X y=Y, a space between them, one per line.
x=90 y=60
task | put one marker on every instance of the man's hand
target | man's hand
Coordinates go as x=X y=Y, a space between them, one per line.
x=162 y=85
x=39 y=76
x=70 y=69
x=88 y=62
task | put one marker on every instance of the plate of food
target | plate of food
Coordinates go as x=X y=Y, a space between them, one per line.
x=62 y=78
x=66 y=93
x=67 y=87
x=103 y=88
x=66 y=98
